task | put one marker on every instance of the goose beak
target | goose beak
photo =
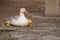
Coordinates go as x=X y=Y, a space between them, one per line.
x=26 y=11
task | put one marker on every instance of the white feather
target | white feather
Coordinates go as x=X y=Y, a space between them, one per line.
x=21 y=21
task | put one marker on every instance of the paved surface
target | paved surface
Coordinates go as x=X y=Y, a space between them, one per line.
x=45 y=28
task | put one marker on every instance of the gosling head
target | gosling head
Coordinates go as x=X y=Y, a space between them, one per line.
x=23 y=10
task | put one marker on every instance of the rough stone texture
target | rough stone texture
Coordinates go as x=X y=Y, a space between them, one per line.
x=32 y=5
x=45 y=28
x=52 y=8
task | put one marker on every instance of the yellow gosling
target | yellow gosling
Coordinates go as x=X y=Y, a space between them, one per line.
x=30 y=23
x=7 y=24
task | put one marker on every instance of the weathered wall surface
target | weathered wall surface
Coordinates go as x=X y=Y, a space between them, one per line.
x=52 y=8
x=36 y=6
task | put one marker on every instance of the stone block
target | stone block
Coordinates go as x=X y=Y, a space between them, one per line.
x=52 y=8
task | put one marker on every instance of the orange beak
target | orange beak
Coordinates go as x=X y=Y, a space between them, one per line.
x=26 y=11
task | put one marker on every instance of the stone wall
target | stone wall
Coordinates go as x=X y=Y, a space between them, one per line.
x=35 y=6
x=52 y=8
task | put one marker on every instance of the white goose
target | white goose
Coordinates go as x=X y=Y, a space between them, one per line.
x=20 y=21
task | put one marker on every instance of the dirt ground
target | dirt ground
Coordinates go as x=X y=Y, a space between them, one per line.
x=44 y=28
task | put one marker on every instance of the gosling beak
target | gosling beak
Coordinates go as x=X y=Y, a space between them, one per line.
x=26 y=11
x=7 y=23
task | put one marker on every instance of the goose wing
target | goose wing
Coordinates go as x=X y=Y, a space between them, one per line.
x=11 y=18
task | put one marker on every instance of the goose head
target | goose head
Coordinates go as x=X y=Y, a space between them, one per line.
x=23 y=10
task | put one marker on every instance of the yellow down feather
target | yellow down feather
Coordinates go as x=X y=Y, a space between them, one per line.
x=6 y=23
x=30 y=23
